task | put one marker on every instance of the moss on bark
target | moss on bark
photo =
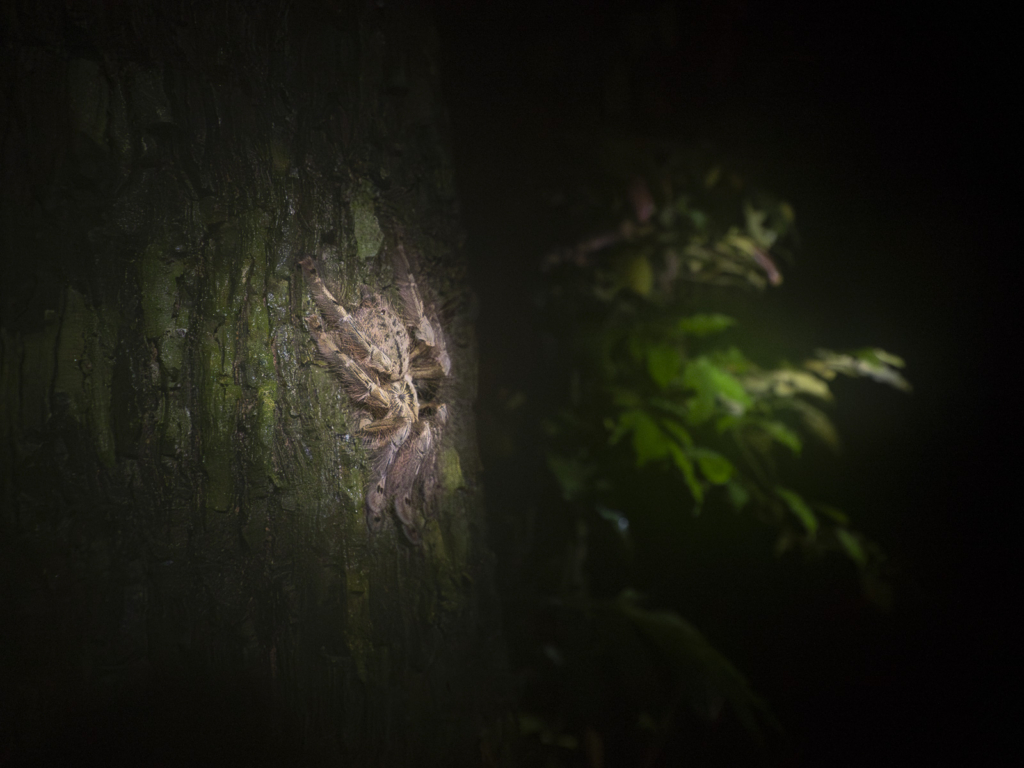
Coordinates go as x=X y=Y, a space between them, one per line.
x=183 y=494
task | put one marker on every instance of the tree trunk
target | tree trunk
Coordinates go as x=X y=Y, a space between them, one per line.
x=186 y=567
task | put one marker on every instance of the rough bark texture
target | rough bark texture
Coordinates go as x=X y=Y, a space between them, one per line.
x=185 y=566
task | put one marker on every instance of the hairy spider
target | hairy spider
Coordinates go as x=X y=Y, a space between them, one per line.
x=386 y=361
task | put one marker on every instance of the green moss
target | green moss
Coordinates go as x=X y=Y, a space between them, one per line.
x=236 y=360
x=266 y=413
x=364 y=220
x=212 y=210
x=158 y=278
x=267 y=409
x=448 y=545
x=85 y=370
x=224 y=271
x=219 y=395
x=446 y=564
x=174 y=425
x=280 y=160
x=451 y=470
x=433 y=540
x=99 y=391
x=171 y=350
x=259 y=355
x=72 y=362
x=278 y=303
x=218 y=444
x=258 y=352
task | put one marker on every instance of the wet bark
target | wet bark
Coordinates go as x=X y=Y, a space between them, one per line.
x=185 y=565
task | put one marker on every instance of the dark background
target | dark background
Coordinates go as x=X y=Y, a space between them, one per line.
x=886 y=125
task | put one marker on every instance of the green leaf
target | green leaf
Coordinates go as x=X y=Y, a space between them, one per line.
x=877 y=356
x=786 y=212
x=635 y=273
x=713 y=465
x=572 y=475
x=874 y=364
x=727 y=385
x=678 y=432
x=799 y=508
x=733 y=360
x=738 y=495
x=741 y=243
x=669 y=406
x=851 y=545
x=649 y=441
x=837 y=515
x=637 y=347
x=780 y=433
x=765 y=236
x=727 y=422
x=626 y=422
x=704 y=325
x=787 y=383
x=710 y=382
x=817 y=423
x=625 y=397
x=700 y=409
x=786 y=541
x=663 y=363
x=705 y=673
x=686 y=467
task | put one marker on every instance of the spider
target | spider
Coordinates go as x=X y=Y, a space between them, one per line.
x=385 y=360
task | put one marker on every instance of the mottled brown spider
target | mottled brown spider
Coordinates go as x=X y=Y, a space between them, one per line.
x=386 y=361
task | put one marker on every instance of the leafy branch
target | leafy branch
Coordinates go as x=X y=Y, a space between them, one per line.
x=654 y=384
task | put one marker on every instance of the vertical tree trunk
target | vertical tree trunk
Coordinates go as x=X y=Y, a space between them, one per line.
x=183 y=547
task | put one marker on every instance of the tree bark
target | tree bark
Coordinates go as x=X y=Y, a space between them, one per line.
x=185 y=562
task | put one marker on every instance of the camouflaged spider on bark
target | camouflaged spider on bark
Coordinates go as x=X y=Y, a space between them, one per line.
x=387 y=361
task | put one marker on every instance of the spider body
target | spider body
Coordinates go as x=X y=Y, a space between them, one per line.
x=384 y=359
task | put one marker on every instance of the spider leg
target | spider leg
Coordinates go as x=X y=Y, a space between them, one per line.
x=406 y=469
x=385 y=437
x=360 y=385
x=356 y=343
x=430 y=472
x=427 y=363
x=379 y=433
x=412 y=301
x=330 y=306
x=415 y=462
x=426 y=333
x=364 y=349
x=404 y=448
